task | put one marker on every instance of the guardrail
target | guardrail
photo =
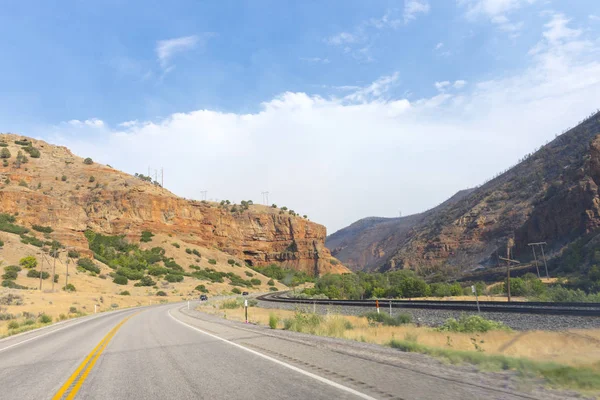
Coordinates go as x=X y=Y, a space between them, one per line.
x=548 y=308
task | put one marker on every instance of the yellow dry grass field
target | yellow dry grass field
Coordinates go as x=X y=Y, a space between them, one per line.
x=574 y=347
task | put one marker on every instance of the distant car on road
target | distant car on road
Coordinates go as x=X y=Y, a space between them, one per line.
x=244 y=293
x=203 y=297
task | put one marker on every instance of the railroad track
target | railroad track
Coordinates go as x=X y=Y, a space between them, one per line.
x=573 y=309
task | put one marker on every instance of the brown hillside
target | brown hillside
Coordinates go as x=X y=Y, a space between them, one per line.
x=552 y=196
x=59 y=190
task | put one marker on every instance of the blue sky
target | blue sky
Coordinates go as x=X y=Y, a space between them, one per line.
x=339 y=97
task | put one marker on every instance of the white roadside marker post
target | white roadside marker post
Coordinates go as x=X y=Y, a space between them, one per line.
x=246 y=309
x=476 y=297
x=95 y=308
x=390 y=307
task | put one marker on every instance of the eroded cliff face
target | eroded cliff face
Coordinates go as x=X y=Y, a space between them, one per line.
x=551 y=195
x=60 y=191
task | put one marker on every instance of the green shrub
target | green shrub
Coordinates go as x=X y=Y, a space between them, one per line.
x=471 y=324
x=131 y=274
x=255 y=281
x=236 y=290
x=145 y=281
x=31 y=240
x=14 y=268
x=73 y=310
x=1 y=243
x=12 y=285
x=5 y=153
x=7 y=225
x=176 y=245
x=88 y=265
x=212 y=261
x=231 y=304
x=29 y=322
x=28 y=262
x=44 y=229
x=125 y=293
x=231 y=261
x=120 y=280
x=73 y=254
x=273 y=289
x=45 y=319
x=188 y=250
x=385 y=319
x=146 y=236
x=32 y=151
x=173 y=278
x=92 y=179
x=201 y=289
x=34 y=273
x=271 y=282
x=248 y=273
x=196 y=253
x=10 y=275
x=3 y=144
x=273 y=321
x=13 y=325
x=63 y=178
x=55 y=279
x=156 y=270
x=70 y=288
x=303 y=322
x=88 y=161
x=161 y=293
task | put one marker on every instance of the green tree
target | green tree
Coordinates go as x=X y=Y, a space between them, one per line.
x=4 y=153
x=88 y=161
x=28 y=262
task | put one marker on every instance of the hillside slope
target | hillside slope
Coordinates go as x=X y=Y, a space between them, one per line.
x=552 y=196
x=58 y=189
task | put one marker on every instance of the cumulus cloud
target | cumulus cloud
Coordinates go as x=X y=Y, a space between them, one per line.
x=442 y=85
x=341 y=158
x=459 y=84
x=496 y=11
x=342 y=38
x=92 y=122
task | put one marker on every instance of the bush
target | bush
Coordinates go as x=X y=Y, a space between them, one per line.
x=255 y=281
x=385 y=319
x=231 y=304
x=271 y=282
x=88 y=161
x=92 y=179
x=125 y=293
x=236 y=290
x=55 y=278
x=32 y=151
x=28 y=262
x=161 y=293
x=201 y=289
x=44 y=229
x=34 y=273
x=273 y=289
x=248 y=274
x=303 y=322
x=212 y=261
x=131 y=274
x=73 y=310
x=145 y=281
x=70 y=288
x=1 y=243
x=73 y=254
x=12 y=285
x=156 y=270
x=471 y=324
x=63 y=178
x=231 y=261
x=173 y=278
x=14 y=268
x=120 y=280
x=273 y=321
x=13 y=325
x=45 y=319
x=10 y=275
x=88 y=265
x=196 y=253
x=146 y=236
x=175 y=244
x=5 y=153
x=189 y=251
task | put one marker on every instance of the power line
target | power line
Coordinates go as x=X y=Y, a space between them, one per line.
x=265 y=198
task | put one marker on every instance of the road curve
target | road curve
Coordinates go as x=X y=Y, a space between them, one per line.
x=166 y=351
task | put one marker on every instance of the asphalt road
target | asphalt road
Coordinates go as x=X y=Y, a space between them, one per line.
x=167 y=352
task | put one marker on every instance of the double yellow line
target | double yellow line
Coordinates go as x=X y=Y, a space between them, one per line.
x=81 y=373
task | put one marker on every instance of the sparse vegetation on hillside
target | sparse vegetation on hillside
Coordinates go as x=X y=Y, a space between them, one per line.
x=289 y=277
x=28 y=262
x=146 y=236
x=7 y=225
x=88 y=161
x=44 y=229
x=5 y=153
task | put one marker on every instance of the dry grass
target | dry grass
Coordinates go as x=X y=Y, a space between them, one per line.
x=579 y=348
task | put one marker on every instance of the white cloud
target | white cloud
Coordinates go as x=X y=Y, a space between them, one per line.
x=442 y=85
x=414 y=7
x=167 y=49
x=369 y=151
x=459 y=84
x=496 y=11
x=342 y=38
x=594 y=17
x=439 y=45
x=558 y=30
x=387 y=21
x=92 y=122
x=315 y=60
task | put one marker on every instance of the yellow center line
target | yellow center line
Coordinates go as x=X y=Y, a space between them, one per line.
x=78 y=377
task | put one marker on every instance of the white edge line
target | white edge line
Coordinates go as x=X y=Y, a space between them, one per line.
x=283 y=364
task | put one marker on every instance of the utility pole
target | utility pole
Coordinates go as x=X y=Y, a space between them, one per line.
x=541 y=244
x=265 y=198
x=53 y=269
x=535 y=259
x=203 y=194
x=162 y=177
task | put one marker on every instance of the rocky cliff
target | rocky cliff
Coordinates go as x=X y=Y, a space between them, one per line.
x=60 y=190
x=551 y=195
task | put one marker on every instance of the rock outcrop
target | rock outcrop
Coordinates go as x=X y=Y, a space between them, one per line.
x=61 y=191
